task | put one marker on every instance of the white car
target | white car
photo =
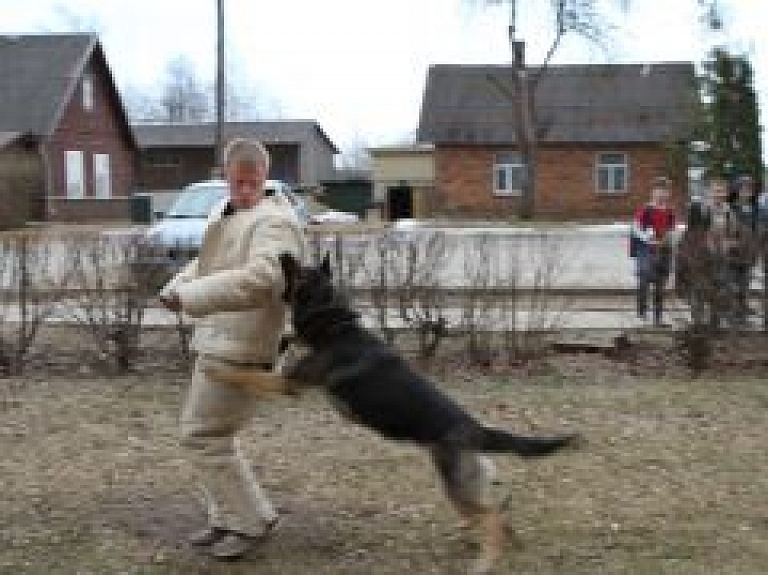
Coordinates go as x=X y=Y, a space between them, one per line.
x=177 y=237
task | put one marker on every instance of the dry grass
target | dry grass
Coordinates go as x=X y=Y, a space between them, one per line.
x=673 y=481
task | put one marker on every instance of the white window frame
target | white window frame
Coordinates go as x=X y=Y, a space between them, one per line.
x=86 y=89
x=507 y=167
x=613 y=166
x=74 y=166
x=102 y=176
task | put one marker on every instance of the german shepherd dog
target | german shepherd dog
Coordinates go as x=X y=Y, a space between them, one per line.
x=369 y=382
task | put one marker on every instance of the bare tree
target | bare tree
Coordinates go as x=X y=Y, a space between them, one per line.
x=354 y=155
x=67 y=20
x=142 y=106
x=570 y=16
x=184 y=97
x=581 y=18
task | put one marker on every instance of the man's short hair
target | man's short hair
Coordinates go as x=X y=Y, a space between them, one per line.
x=247 y=152
x=661 y=182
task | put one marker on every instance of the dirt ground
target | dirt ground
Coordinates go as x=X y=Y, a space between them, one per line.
x=672 y=481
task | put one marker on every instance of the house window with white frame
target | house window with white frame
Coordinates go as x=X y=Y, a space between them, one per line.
x=86 y=87
x=102 y=183
x=508 y=174
x=612 y=173
x=75 y=174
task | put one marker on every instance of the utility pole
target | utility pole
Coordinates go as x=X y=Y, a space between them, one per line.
x=219 y=141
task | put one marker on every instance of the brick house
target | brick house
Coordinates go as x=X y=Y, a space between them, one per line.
x=173 y=155
x=603 y=135
x=59 y=98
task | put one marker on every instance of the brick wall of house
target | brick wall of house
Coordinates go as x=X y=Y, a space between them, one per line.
x=167 y=168
x=565 y=183
x=98 y=130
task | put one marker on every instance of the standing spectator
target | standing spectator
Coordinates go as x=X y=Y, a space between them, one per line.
x=653 y=232
x=742 y=254
x=234 y=292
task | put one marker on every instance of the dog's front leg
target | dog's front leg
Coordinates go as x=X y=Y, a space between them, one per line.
x=304 y=369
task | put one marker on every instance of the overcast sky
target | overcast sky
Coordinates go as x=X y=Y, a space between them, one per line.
x=359 y=67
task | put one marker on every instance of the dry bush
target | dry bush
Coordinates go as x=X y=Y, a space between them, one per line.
x=708 y=280
x=112 y=291
x=476 y=297
x=415 y=267
x=509 y=295
x=485 y=287
x=33 y=280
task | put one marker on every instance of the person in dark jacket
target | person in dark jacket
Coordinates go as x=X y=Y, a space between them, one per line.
x=743 y=248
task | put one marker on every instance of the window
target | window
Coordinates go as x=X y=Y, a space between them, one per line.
x=86 y=87
x=102 y=184
x=75 y=172
x=508 y=174
x=612 y=173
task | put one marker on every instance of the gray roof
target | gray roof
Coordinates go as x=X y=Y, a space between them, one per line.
x=177 y=135
x=38 y=75
x=611 y=103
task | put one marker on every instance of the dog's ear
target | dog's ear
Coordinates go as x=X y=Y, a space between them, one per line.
x=325 y=265
x=290 y=268
x=289 y=264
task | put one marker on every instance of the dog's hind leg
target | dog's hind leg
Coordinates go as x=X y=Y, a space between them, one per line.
x=467 y=480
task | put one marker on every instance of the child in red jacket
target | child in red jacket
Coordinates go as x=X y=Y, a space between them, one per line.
x=652 y=229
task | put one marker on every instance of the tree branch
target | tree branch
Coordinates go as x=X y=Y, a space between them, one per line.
x=504 y=90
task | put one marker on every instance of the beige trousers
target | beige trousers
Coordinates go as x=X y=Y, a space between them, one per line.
x=211 y=418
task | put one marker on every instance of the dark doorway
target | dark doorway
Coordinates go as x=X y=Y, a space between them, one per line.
x=400 y=202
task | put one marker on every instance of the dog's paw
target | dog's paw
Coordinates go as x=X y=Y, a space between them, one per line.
x=289 y=362
x=577 y=441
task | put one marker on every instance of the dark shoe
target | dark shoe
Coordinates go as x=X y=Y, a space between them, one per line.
x=207 y=536
x=233 y=545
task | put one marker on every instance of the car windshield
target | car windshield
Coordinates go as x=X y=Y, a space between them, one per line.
x=197 y=201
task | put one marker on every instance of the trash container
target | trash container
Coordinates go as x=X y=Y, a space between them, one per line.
x=141 y=208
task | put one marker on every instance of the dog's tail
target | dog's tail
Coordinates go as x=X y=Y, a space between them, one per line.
x=494 y=440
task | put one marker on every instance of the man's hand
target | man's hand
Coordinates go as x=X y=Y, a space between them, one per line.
x=171 y=301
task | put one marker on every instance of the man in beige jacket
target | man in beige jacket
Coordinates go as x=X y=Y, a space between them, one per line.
x=233 y=291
